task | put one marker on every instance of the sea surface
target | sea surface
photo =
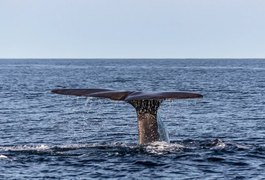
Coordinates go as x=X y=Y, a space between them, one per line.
x=50 y=136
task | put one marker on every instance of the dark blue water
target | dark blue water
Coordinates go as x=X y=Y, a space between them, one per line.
x=44 y=135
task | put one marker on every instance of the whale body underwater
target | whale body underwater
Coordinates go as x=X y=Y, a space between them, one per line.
x=146 y=105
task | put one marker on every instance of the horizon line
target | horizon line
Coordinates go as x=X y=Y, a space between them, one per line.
x=138 y=58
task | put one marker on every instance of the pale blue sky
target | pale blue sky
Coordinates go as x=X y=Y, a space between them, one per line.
x=132 y=28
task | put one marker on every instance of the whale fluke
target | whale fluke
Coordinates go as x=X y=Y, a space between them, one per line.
x=78 y=92
x=161 y=95
x=126 y=95
x=146 y=106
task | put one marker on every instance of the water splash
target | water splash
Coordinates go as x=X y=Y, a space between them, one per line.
x=162 y=130
x=162 y=147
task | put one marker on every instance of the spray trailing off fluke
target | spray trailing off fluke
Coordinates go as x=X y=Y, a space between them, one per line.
x=146 y=105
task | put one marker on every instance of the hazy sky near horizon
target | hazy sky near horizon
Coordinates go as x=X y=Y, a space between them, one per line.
x=132 y=29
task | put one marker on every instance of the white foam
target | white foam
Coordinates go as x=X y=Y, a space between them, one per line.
x=218 y=145
x=3 y=156
x=41 y=147
x=161 y=147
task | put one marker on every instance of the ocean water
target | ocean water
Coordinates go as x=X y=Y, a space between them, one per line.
x=49 y=136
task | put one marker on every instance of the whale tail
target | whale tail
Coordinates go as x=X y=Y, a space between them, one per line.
x=145 y=104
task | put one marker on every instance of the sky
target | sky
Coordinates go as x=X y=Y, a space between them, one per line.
x=132 y=28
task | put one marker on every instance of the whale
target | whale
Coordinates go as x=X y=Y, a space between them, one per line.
x=146 y=105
